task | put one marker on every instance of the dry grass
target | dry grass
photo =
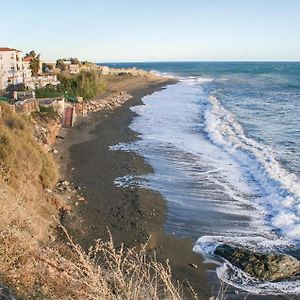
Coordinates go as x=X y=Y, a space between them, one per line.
x=22 y=159
x=108 y=272
x=61 y=271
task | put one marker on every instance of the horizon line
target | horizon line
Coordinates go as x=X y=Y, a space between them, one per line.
x=193 y=61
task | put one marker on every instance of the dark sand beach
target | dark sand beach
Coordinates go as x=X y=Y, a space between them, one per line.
x=132 y=215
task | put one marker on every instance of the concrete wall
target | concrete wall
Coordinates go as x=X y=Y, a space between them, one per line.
x=58 y=104
x=27 y=106
x=41 y=81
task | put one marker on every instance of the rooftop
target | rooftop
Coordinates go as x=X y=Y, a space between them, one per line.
x=27 y=59
x=8 y=49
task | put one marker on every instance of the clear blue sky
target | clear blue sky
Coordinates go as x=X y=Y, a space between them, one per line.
x=154 y=30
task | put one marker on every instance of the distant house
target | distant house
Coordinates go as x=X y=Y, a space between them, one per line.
x=74 y=69
x=41 y=81
x=26 y=66
x=104 y=70
x=12 y=68
x=50 y=67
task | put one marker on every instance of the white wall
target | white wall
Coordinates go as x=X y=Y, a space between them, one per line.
x=12 y=68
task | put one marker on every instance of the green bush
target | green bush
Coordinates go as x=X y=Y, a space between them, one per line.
x=48 y=92
x=46 y=113
x=87 y=84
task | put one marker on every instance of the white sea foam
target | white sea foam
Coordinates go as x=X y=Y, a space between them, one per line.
x=121 y=147
x=235 y=276
x=128 y=181
x=164 y=74
x=239 y=279
x=208 y=244
x=281 y=188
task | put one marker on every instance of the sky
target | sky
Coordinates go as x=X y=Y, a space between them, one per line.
x=153 y=30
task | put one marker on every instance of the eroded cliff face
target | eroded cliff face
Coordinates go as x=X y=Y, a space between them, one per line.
x=27 y=211
x=46 y=132
x=31 y=198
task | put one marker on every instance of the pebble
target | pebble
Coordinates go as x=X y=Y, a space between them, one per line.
x=193 y=266
x=80 y=198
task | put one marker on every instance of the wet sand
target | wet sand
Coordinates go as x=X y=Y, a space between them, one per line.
x=132 y=215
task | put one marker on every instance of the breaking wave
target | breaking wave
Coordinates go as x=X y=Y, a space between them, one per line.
x=280 y=189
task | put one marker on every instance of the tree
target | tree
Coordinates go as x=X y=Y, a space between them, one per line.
x=60 y=64
x=74 y=61
x=44 y=68
x=34 y=64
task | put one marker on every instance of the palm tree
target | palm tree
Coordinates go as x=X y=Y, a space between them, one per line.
x=34 y=63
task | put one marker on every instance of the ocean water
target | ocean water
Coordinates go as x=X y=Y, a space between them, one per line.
x=224 y=145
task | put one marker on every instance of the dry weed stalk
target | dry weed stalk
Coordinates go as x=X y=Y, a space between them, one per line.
x=105 y=272
x=68 y=272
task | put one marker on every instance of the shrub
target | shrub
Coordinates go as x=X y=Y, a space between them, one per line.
x=48 y=92
x=87 y=84
x=46 y=113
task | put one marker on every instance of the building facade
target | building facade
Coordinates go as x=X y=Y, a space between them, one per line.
x=12 y=68
x=41 y=81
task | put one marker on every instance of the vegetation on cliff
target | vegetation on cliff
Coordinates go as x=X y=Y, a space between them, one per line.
x=22 y=159
x=87 y=84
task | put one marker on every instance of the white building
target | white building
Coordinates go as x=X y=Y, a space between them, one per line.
x=74 y=69
x=41 y=81
x=12 y=68
x=26 y=67
x=104 y=70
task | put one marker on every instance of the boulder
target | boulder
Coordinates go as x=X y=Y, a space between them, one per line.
x=266 y=266
x=6 y=293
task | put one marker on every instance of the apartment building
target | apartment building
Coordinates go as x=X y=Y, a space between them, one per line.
x=12 y=69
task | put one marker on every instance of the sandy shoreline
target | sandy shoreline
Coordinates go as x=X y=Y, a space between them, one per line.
x=131 y=214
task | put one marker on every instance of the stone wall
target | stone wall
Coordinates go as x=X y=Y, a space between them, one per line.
x=110 y=102
x=27 y=106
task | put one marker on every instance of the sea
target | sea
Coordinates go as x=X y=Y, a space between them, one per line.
x=224 y=144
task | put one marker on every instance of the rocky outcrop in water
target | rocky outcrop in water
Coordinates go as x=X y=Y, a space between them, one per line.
x=271 y=267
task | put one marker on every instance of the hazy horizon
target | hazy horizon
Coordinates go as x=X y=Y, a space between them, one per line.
x=195 y=61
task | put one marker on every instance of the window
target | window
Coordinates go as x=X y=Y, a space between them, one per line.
x=0 y=55
x=12 y=56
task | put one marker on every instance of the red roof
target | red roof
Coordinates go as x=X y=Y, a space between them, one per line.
x=27 y=59
x=8 y=49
